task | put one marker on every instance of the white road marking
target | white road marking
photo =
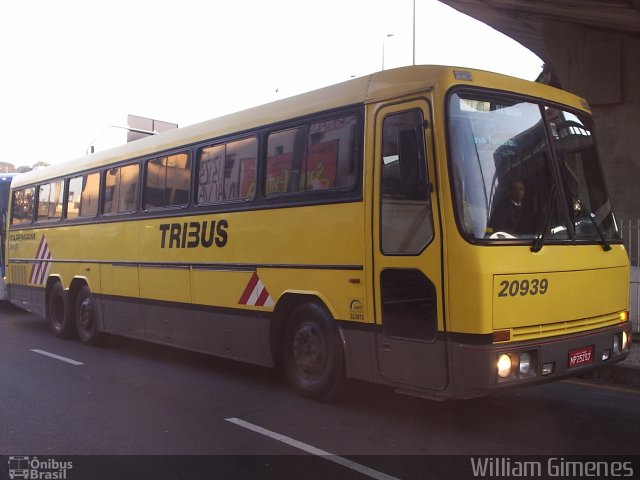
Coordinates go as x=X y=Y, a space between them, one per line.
x=57 y=357
x=313 y=450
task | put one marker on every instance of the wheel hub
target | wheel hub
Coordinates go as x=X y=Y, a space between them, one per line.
x=85 y=313
x=309 y=350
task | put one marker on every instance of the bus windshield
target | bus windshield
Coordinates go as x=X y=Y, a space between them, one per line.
x=506 y=184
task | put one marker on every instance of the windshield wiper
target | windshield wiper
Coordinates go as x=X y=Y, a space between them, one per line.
x=539 y=241
x=605 y=243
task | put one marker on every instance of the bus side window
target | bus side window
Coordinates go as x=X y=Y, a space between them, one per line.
x=285 y=161
x=22 y=206
x=331 y=153
x=82 y=196
x=210 y=174
x=167 y=181
x=240 y=169
x=227 y=172
x=50 y=201
x=121 y=189
x=74 y=190
x=321 y=155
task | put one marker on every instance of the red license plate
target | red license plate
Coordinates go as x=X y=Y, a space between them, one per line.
x=580 y=356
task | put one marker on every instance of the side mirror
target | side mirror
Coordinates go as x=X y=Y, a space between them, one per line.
x=412 y=161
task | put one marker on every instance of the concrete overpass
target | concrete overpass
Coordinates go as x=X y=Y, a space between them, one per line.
x=592 y=48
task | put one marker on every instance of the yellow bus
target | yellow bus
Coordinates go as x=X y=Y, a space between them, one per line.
x=443 y=231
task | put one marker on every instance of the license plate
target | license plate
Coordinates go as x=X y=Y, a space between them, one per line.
x=580 y=356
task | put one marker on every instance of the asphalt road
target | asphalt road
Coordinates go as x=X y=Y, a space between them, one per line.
x=134 y=398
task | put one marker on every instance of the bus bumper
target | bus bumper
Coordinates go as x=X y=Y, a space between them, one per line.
x=484 y=369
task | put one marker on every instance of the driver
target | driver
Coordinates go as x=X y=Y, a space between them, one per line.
x=510 y=215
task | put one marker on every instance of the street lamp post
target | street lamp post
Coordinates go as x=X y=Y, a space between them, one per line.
x=388 y=35
x=414 y=32
x=91 y=148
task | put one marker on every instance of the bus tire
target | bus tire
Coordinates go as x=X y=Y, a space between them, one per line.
x=87 y=318
x=313 y=355
x=58 y=316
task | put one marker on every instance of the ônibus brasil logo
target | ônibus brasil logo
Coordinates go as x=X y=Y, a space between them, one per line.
x=36 y=469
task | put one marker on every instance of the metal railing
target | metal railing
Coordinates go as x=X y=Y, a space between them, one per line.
x=634 y=305
x=630 y=230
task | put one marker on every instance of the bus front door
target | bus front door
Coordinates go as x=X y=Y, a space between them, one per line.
x=407 y=250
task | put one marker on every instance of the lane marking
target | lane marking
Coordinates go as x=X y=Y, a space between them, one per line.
x=57 y=357
x=312 y=450
x=601 y=386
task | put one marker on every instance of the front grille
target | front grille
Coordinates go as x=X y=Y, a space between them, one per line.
x=562 y=328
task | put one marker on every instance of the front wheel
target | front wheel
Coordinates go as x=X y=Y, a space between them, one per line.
x=87 y=319
x=58 y=316
x=313 y=356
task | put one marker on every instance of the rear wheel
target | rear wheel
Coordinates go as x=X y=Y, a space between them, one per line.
x=313 y=357
x=87 y=318
x=58 y=312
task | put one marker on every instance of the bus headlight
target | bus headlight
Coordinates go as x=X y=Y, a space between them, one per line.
x=525 y=363
x=625 y=340
x=504 y=365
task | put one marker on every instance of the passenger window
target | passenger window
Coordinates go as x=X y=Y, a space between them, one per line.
x=82 y=196
x=227 y=172
x=331 y=159
x=211 y=174
x=49 y=202
x=74 y=192
x=240 y=169
x=22 y=206
x=167 y=181
x=320 y=156
x=407 y=226
x=285 y=161
x=121 y=189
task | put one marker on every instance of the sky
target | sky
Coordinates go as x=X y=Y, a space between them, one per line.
x=72 y=70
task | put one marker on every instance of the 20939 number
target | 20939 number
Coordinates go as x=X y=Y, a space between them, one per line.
x=537 y=286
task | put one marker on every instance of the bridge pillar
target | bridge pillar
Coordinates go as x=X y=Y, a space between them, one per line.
x=604 y=67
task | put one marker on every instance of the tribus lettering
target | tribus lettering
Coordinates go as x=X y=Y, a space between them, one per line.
x=194 y=234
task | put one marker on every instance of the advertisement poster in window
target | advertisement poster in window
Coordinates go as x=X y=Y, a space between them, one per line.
x=247 y=177
x=322 y=164
x=279 y=173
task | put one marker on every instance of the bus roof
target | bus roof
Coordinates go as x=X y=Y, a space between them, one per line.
x=370 y=88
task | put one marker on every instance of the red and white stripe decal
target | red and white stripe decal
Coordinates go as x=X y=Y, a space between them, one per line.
x=42 y=265
x=255 y=293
